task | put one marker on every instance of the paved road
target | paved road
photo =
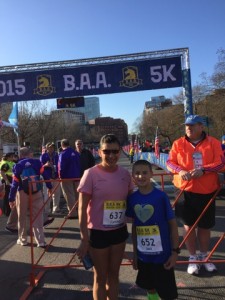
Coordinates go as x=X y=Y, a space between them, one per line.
x=74 y=282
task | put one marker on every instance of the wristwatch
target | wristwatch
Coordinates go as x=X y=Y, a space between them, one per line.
x=177 y=250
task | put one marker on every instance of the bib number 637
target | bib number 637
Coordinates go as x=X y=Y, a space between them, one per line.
x=115 y=215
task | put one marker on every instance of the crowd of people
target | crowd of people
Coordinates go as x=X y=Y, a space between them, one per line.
x=150 y=147
x=58 y=170
x=109 y=196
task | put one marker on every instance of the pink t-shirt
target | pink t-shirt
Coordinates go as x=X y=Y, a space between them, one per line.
x=109 y=191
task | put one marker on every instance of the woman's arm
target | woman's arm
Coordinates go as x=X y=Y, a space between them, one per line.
x=82 y=214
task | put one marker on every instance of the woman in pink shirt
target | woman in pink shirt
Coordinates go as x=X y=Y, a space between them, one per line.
x=102 y=203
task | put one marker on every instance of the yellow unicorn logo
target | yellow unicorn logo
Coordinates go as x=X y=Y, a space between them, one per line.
x=130 y=77
x=44 y=85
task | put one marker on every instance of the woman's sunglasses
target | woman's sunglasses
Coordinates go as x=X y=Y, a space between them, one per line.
x=108 y=152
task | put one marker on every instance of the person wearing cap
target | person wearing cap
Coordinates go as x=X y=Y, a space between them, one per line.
x=49 y=160
x=195 y=161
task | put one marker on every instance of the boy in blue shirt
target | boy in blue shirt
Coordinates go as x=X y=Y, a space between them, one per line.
x=155 y=235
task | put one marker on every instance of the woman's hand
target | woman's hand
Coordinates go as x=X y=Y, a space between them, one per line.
x=82 y=249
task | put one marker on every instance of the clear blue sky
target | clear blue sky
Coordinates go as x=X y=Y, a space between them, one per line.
x=34 y=31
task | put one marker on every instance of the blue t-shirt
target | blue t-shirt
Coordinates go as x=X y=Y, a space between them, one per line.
x=153 y=209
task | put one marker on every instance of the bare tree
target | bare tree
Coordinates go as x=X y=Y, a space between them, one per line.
x=218 y=77
x=205 y=102
x=6 y=132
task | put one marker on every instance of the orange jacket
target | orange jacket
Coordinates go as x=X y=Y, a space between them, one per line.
x=180 y=158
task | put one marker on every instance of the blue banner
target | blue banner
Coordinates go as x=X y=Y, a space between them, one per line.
x=137 y=75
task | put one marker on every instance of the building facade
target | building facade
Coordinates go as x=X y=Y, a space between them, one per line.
x=68 y=116
x=107 y=125
x=91 y=108
x=156 y=103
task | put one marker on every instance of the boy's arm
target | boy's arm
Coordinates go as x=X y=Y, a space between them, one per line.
x=174 y=243
x=134 y=240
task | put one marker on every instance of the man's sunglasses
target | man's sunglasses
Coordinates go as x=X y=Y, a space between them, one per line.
x=108 y=152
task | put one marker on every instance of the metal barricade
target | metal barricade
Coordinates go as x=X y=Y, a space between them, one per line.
x=35 y=276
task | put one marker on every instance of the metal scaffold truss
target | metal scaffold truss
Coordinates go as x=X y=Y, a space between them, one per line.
x=183 y=52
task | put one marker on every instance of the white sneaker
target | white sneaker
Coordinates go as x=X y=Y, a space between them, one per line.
x=22 y=242
x=42 y=245
x=209 y=267
x=193 y=268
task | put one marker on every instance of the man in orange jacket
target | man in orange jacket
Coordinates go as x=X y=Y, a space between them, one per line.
x=195 y=160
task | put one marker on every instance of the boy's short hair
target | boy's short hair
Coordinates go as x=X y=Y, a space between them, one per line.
x=109 y=139
x=142 y=162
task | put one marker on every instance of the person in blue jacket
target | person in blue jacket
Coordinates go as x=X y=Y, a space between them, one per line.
x=69 y=170
x=19 y=198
